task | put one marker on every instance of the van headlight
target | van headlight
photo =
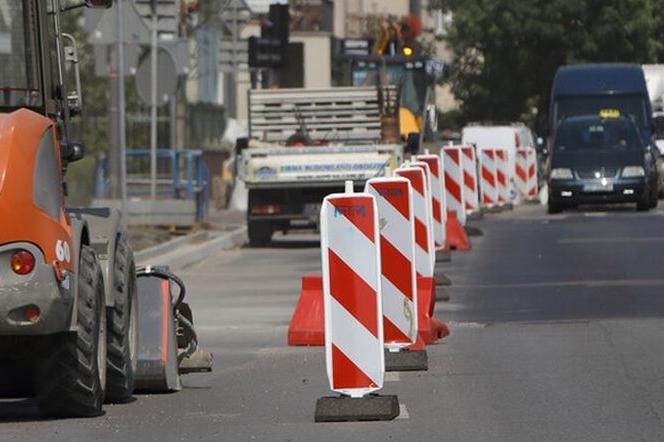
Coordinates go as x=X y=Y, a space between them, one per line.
x=561 y=174
x=633 y=171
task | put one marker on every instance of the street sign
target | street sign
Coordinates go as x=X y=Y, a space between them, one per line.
x=167 y=82
x=435 y=67
x=264 y=52
x=167 y=16
x=357 y=47
x=100 y=25
x=233 y=55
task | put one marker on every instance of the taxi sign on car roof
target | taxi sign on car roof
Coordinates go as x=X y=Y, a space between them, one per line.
x=609 y=113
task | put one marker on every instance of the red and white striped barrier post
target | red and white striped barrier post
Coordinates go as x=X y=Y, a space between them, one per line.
x=428 y=328
x=470 y=185
x=525 y=173
x=503 y=177
x=394 y=201
x=424 y=250
x=488 y=187
x=533 y=191
x=456 y=238
x=350 y=252
x=438 y=201
x=439 y=210
x=454 y=181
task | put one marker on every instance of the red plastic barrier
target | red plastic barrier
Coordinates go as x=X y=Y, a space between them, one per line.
x=307 y=326
x=429 y=328
x=456 y=238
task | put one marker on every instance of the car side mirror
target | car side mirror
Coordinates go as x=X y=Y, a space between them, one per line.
x=413 y=143
x=658 y=124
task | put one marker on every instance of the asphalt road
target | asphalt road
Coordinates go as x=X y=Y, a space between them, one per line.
x=556 y=335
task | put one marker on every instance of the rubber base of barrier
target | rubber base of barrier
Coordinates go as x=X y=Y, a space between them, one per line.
x=493 y=209
x=473 y=231
x=406 y=360
x=307 y=326
x=346 y=409
x=455 y=238
x=442 y=294
x=443 y=255
x=475 y=216
x=440 y=277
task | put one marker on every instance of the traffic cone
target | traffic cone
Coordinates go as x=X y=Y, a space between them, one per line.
x=455 y=238
x=307 y=326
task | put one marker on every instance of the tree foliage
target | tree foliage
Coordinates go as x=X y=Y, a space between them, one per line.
x=506 y=52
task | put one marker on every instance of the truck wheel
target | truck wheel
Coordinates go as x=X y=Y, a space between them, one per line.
x=654 y=196
x=259 y=233
x=71 y=378
x=122 y=321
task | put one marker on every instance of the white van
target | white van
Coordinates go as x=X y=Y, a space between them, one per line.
x=506 y=136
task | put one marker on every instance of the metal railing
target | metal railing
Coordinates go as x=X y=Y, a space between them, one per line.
x=182 y=174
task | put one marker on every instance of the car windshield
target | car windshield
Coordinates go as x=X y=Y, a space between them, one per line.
x=597 y=134
x=19 y=84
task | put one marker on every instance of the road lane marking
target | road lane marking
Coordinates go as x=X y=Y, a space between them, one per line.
x=403 y=412
x=581 y=283
x=392 y=376
x=611 y=240
x=465 y=324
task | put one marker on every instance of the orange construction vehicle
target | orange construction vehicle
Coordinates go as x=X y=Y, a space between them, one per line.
x=69 y=324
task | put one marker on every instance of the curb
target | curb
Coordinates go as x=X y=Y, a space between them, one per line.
x=170 y=246
x=194 y=253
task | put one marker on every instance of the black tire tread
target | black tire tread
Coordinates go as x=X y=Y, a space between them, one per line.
x=68 y=378
x=120 y=370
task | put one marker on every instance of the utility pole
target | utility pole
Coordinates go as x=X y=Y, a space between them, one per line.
x=122 y=138
x=153 y=102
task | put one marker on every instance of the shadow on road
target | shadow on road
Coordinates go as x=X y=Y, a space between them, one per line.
x=22 y=410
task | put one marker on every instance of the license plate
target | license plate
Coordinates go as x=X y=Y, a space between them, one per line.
x=598 y=187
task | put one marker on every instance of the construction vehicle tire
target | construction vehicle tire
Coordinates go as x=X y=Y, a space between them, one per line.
x=71 y=379
x=122 y=320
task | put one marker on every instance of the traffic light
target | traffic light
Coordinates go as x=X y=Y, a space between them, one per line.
x=269 y=50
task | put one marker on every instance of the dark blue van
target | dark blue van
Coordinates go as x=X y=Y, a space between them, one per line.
x=603 y=89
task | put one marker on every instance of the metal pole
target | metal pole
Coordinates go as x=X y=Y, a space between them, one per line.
x=235 y=63
x=153 y=104
x=122 y=138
